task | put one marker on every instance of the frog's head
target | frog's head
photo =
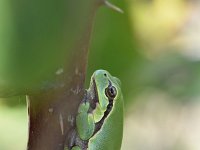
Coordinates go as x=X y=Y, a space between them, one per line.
x=106 y=87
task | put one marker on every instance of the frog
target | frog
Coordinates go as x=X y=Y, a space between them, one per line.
x=99 y=119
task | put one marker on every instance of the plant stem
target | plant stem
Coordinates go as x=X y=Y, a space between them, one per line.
x=52 y=113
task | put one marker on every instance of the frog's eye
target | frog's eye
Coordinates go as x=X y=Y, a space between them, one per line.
x=111 y=92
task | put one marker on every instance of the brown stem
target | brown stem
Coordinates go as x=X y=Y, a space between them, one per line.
x=51 y=113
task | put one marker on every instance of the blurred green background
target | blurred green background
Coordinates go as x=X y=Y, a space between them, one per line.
x=154 y=48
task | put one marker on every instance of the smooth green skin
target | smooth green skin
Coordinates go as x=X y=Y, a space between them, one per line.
x=109 y=137
x=85 y=122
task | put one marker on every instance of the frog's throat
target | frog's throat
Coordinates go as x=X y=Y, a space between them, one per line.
x=92 y=96
x=96 y=106
x=99 y=124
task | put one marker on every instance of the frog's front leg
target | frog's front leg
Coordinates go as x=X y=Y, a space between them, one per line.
x=84 y=126
x=85 y=121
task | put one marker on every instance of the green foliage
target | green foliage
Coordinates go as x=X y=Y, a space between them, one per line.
x=35 y=40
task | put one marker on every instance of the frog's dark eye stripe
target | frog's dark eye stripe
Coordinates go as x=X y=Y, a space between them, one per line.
x=111 y=92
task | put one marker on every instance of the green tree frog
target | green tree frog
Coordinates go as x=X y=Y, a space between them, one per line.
x=99 y=120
